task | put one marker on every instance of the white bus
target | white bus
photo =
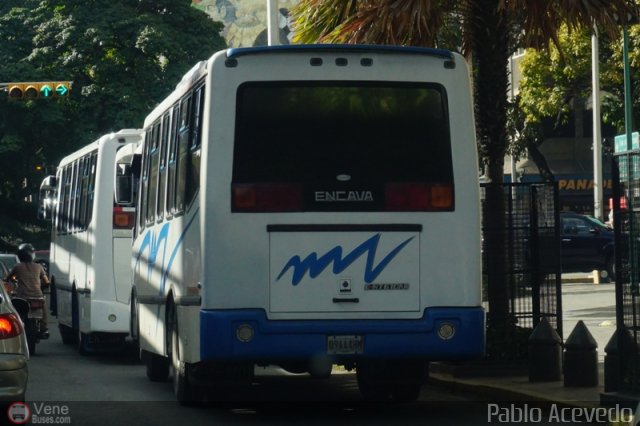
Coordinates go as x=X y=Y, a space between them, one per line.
x=310 y=206
x=90 y=253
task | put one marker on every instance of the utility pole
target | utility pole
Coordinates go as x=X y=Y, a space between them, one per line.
x=273 y=31
x=597 y=133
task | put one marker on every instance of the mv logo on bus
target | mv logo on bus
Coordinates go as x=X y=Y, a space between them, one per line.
x=315 y=264
x=153 y=244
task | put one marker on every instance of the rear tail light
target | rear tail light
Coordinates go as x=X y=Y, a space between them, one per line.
x=419 y=197
x=10 y=326
x=268 y=197
x=123 y=217
x=36 y=303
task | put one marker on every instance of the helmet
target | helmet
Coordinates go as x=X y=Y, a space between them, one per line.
x=26 y=248
x=25 y=251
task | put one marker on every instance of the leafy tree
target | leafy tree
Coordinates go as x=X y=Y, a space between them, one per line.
x=491 y=30
x=556 y=84
x=123 y=57
x=612 y=79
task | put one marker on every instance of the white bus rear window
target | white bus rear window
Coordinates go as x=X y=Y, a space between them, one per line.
x=327 y=146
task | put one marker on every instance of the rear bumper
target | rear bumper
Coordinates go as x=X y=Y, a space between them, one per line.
x=13 y=377
x=277 y=340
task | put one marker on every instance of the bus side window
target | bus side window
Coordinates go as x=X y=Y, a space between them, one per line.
x=182 y=154
x=154 y=163
x=144 y=182
x=171 y=175
x=91 y=188
x=162 y=174
x=62 y=203
x=193 y=181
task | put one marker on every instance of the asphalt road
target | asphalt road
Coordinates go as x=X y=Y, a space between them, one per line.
x=112 y=389
x=595 y=305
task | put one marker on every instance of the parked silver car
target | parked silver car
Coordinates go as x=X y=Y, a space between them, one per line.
x=14 y=352
x=9 y=259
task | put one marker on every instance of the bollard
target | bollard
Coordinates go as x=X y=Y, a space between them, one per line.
x=545 y=353
x=620 y=343
x=580 y=358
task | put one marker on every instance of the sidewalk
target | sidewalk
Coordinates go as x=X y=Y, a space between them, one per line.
x=582 y=300
x=514 y=386
x=578 y=277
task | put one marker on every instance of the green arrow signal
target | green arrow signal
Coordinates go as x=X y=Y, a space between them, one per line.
x=46 y=91
x=61 y=90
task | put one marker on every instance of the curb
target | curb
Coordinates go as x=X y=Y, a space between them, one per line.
x=495 y=392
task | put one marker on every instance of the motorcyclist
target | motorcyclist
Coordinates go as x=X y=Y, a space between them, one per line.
x=31 y=277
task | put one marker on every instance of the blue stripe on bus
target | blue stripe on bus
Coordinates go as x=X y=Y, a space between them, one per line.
x=163 y=280
x=153 y=243
x=318 y=48
x=302 y=339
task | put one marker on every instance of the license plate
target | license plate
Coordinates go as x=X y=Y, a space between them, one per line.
x=345 y=345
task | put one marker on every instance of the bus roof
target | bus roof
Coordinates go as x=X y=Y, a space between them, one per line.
x=243 y=51
x=124 y=133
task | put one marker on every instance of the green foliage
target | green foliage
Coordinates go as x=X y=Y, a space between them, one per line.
x=552 y=79
x=123 y=56
x=555 y=84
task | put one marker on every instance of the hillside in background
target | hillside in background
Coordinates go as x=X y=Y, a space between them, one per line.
x=243 y=20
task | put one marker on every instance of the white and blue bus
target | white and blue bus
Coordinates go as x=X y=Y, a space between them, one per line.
x=306 y=207
x=90 y=252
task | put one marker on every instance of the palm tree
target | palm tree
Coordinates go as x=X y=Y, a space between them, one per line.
x=490 y=30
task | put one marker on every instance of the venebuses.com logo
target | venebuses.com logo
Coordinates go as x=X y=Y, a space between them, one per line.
x=19 y=413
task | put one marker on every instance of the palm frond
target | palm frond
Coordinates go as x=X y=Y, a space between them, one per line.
x=314 y=19
x=398 y=22
x=543 y=18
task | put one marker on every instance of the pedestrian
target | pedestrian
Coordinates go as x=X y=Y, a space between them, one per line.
x=31 y=277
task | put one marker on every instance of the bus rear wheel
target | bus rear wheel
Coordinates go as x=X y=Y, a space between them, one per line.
x=134 y=325
x=186 y=393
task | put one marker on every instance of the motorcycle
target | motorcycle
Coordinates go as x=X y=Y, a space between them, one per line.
x=31 y=311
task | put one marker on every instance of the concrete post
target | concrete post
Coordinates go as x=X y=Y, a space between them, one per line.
x=545 y=354
x=613 y=359
x=580 y=358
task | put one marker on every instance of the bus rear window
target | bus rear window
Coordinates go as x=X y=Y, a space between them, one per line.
x=327 y=146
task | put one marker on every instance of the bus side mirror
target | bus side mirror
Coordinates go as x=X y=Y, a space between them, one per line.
x=124 y=194
x=47 y=198
x=123 y=190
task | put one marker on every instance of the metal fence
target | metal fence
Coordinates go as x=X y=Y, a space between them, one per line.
x=530 y=234
x=626 y=224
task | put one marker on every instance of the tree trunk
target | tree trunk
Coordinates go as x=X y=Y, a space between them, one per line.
x=490 y=40
x=541 y=162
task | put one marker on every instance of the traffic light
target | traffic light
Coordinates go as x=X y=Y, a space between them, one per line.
x=35 y=90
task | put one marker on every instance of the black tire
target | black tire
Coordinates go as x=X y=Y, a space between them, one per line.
x=157 y=366
x=611 y=268
x=32 y=330
x=53 y=298
x=186 y=393
x=31 y=343
x=69 y=337
x=391 y=380
x=84 y=347
x=134 y=325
